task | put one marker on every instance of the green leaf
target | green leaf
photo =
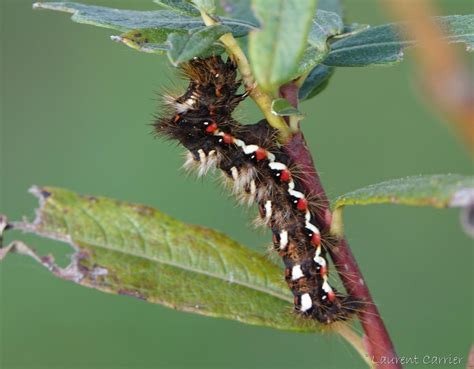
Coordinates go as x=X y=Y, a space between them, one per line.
x=180 y=6
x=316 y=81
x=128 y=20
x=184 y=47
x=384 y=44
x=324 y=26
x=135 y=250
x=283 y=108
x=240 y=9
x=207 y=6
x=334 y=6
x=276 y=50
x=445 y=190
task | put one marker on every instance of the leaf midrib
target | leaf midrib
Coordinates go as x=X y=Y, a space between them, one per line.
x=180 y=266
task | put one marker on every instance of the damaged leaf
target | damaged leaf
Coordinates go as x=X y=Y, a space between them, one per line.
x=146 y=40
x=136 y=250
x=152 y=27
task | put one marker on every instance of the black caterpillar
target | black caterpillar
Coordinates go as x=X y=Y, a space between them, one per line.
x=201 y=120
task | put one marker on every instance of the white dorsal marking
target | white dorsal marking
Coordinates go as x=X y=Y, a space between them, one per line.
x=190 y=101
x=283 y=239
x=235 y=173
x=202 y=155
x=296 y=194
x=326 y=287
x=253 y=187
x=239 y=143
x=312 y=228
x=320 y=261
x=306 y=302
x=277 y=165
x=249 y=149
x=268 y=210
x=296 y=273
x=271 y=157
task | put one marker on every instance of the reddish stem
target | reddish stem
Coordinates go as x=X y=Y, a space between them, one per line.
x=377 y=339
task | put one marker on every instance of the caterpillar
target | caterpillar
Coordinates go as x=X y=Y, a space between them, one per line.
x=259 y=172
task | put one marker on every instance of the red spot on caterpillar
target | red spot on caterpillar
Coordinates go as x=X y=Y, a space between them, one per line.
x=323 y=271
x=261 y=153
x=285 y=175
x=316 y=239
x=331 y=296
x=228 y=139
x=212 y=128
x=176 y=118
x=302 y=204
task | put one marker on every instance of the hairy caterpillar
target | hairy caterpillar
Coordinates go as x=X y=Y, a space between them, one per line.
x=260 y=172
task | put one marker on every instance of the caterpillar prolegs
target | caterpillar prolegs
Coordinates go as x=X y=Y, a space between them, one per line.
x=260 y=172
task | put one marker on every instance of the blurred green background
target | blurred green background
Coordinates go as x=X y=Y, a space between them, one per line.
x=76 y=110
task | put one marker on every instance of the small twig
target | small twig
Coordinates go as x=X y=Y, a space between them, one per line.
x=263 y=100
x=378 y=342
x=446 y=78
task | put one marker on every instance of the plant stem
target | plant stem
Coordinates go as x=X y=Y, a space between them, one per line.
x=263 y=100
x=378 y=342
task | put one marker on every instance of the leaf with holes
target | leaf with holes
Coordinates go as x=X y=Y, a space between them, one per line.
x=384 y=44
x=135 y=250
x=146 y=40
